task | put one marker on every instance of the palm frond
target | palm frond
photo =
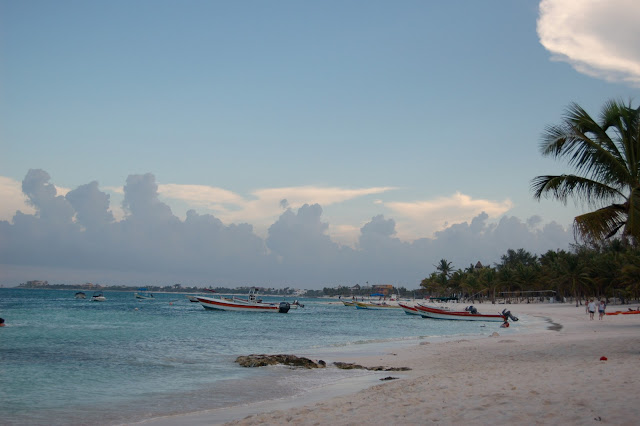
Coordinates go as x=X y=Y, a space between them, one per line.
x=632 y=227
x=564 y=186
x=600 y=224
x=586 y=145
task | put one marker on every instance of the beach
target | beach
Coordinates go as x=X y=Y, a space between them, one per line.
x=553 y=375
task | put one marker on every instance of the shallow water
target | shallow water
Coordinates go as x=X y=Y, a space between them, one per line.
x=68 y=361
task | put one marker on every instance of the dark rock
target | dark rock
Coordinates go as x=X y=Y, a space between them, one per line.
x=350 y=366
x=389 y=378
x=291 y=360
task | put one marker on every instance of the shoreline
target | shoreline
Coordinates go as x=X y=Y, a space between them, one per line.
x=550 y=374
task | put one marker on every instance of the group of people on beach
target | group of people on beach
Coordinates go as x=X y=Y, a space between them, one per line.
x=591 y=308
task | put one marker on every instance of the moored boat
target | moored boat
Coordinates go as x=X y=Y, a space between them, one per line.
x=469 y=314
x=251 y=304
x=381 y=305
x=295 y=305
x=409 y=309
x=98 y=297
x=80 y=295
x=144 y=294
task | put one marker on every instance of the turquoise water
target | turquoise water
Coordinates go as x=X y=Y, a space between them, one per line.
x=68 y=361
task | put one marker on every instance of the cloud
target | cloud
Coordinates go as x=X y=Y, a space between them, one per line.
x=598 y=38
x=44 y=197
x=263 y=206
x=76 y=235
x=13 y=199
x=91 y=205
x=423 y=218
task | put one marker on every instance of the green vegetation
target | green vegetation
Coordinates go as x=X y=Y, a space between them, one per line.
x=346 y=291
x=608 y=270
x=606 y=157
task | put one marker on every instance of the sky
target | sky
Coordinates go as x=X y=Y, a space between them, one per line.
x=291 y=144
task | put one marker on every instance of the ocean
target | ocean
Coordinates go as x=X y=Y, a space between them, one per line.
x=67 y=361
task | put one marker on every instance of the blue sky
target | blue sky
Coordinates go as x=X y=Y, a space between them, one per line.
x=415 y=116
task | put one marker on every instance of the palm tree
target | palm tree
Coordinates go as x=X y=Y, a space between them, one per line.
x=575 y=275
x=444 y=267
x=606 y=157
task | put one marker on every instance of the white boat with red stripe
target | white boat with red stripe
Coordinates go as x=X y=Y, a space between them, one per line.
x=251 y=304
x=409 y=309
x=469 y=314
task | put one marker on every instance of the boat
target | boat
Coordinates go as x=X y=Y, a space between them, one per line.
x=250 y=304
x=348 y=303
x=381 y=303
x=469 y=314
x=192 y=298
x=98 y=297
x=144 y=294
x=629 y=312
x=375 y=305
x=295 y=305
x=408 y=309
x=81 y=295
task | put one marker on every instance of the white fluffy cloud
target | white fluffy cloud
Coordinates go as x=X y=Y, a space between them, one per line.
x=414 y=220
x=598 y=38
x=77 y=235
x=263 y=206
x=12 y=199
x=423 y=218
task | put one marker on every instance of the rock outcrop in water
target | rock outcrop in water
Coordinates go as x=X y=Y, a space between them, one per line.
x=350 y=366
x=255 y=360
x=261 y=360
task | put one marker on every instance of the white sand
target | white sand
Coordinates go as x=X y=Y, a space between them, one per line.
x=541 y=377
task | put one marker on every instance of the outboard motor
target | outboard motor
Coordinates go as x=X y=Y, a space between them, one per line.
x=507 y=315
x=284 y=307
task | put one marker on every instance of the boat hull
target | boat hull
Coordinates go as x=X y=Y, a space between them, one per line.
x=361 y=305
x=624 y=313
x=435 y=313
x=222 y=304
x=409 y=310
x=142 y=296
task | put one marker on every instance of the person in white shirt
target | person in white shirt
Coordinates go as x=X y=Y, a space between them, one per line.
x=592 y=308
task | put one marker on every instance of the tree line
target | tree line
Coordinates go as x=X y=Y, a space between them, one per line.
x=607 y=270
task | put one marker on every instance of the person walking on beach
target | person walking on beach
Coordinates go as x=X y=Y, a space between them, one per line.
x=601 y=307
x=592 y=309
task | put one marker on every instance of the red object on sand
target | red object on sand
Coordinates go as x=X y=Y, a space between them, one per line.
x=603 y=358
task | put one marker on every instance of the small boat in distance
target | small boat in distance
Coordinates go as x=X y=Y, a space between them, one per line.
x=377 y=305
x=295 y=305
x=144 y=294
x=80 y=295
x=98 y=297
